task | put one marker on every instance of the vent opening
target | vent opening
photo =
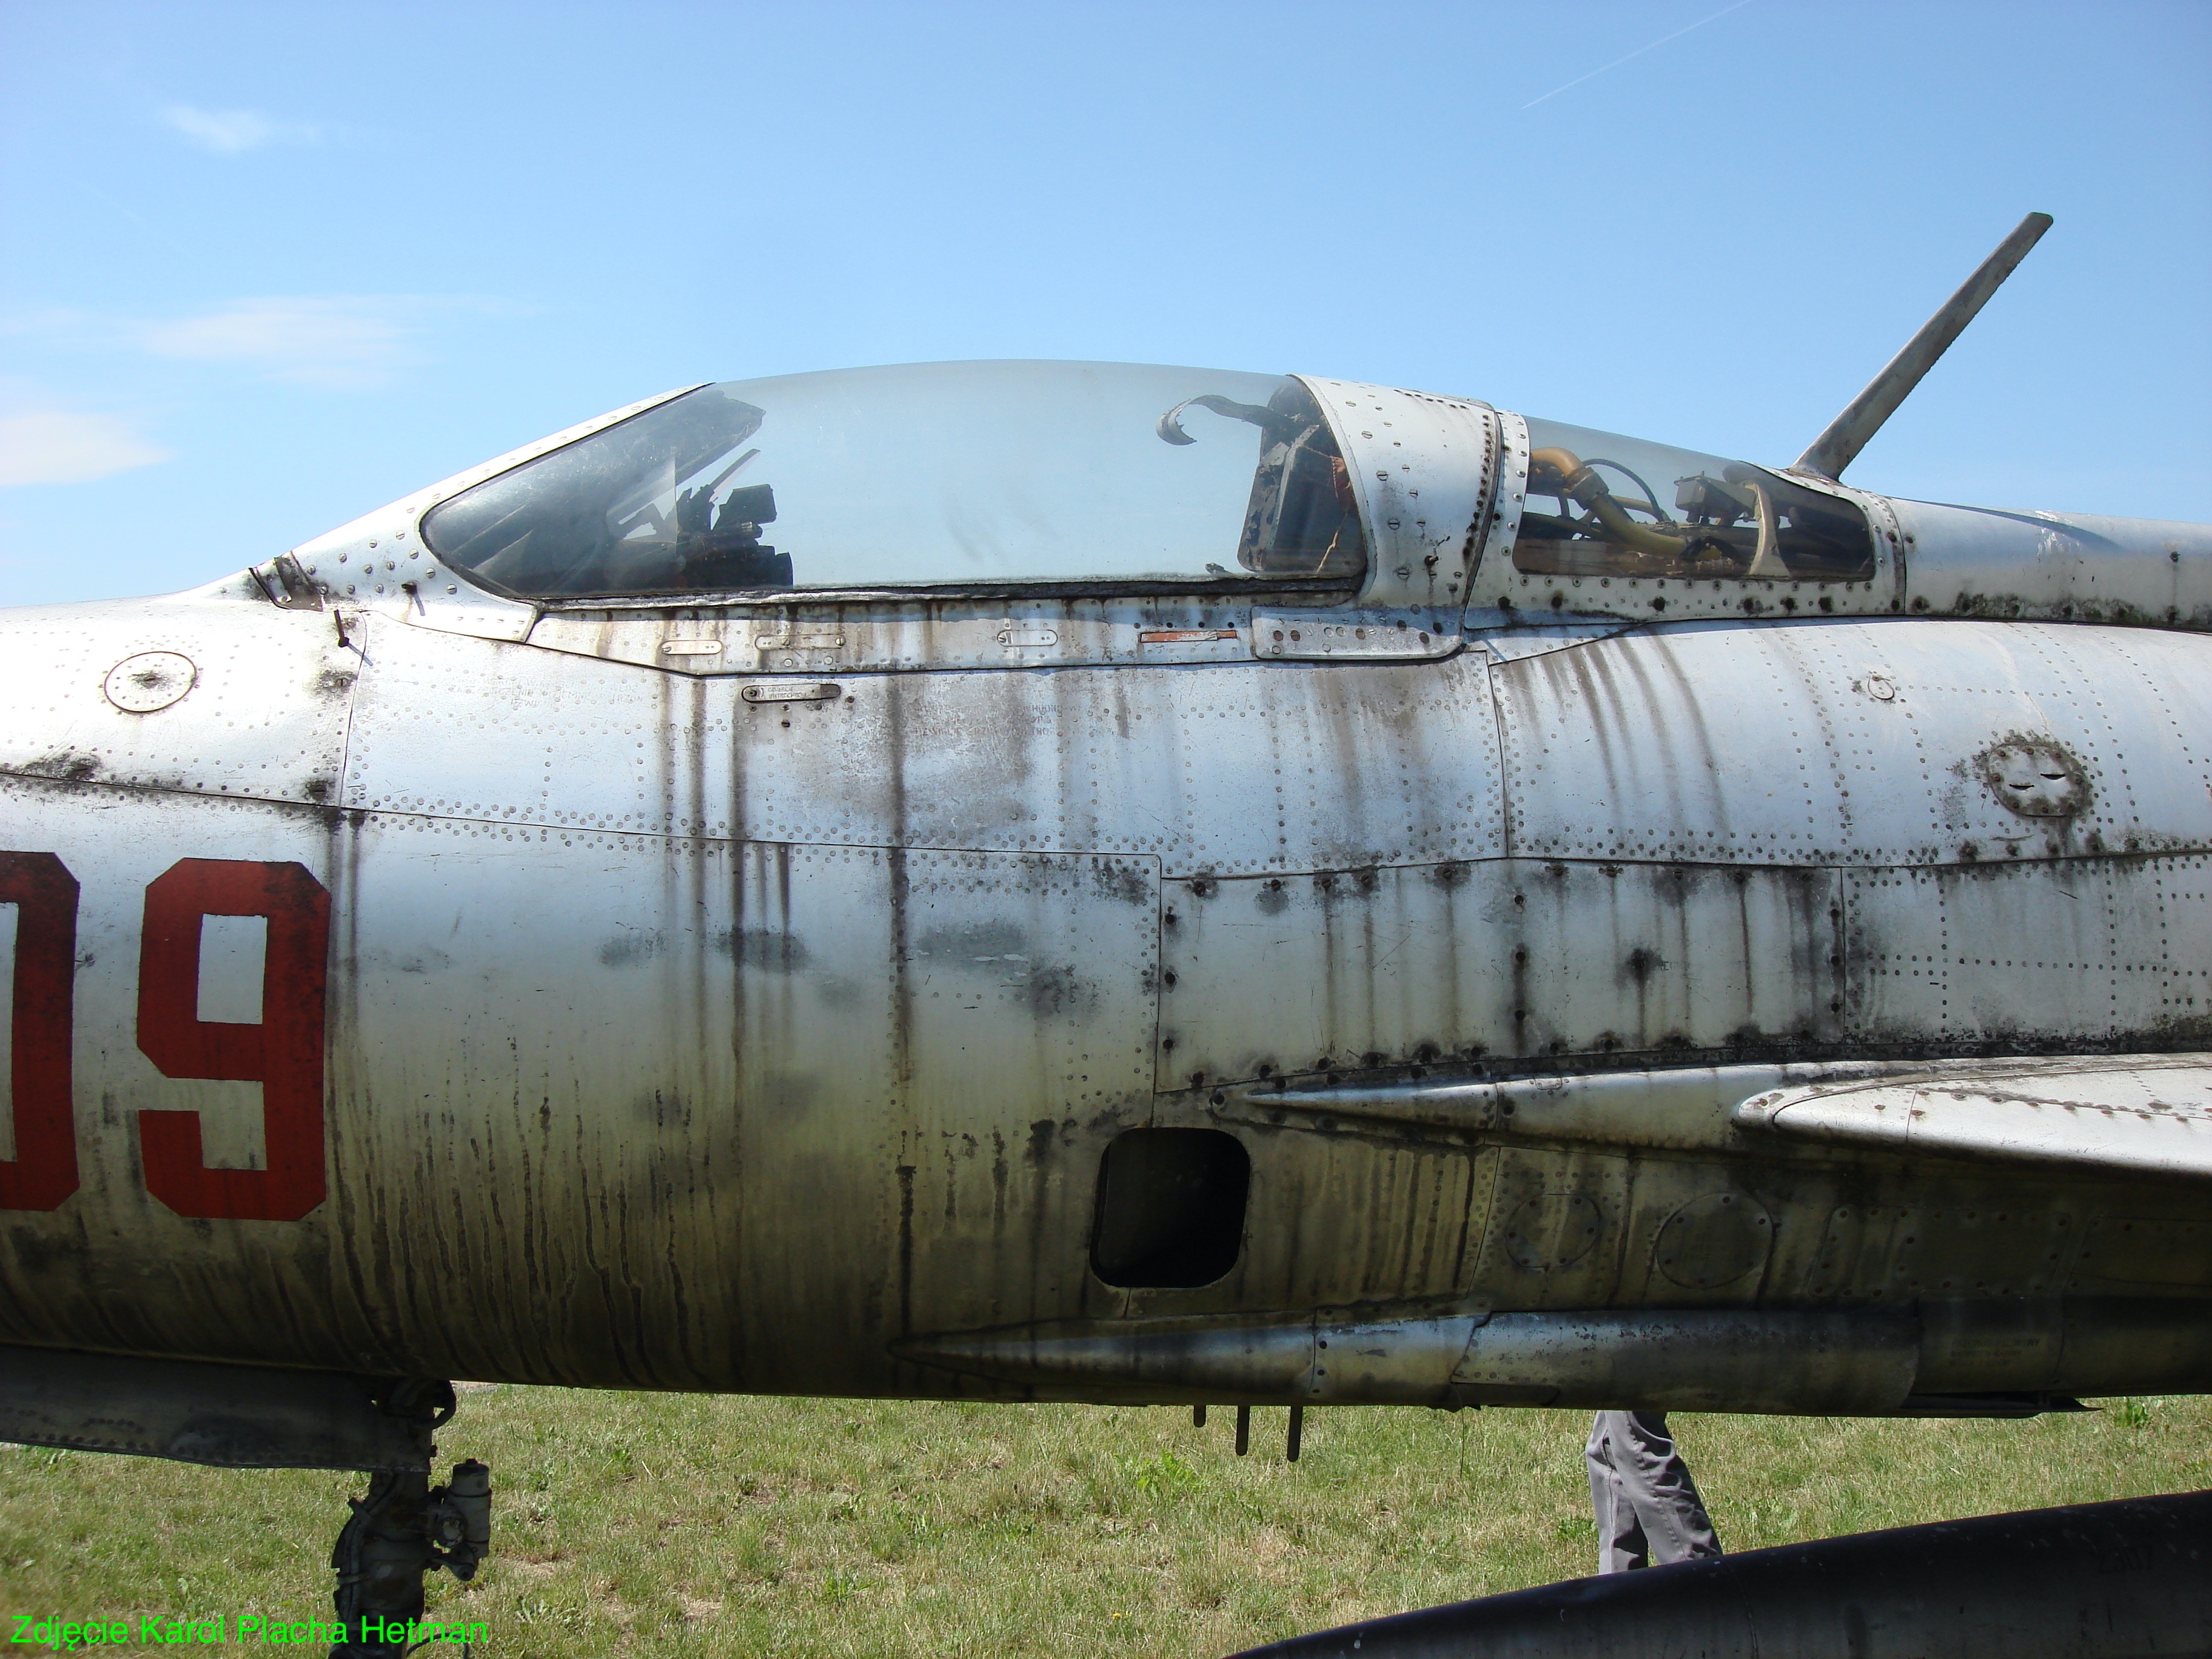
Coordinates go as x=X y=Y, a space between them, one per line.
x=1171 y=1208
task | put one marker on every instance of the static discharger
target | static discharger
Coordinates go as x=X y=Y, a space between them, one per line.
x=1244 y=1430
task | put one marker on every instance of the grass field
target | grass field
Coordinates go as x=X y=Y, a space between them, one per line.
x=637 y=1523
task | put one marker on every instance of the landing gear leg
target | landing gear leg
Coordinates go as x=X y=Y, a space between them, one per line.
x=402 y=1529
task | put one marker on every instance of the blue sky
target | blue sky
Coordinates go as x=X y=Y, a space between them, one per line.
x=267 y=267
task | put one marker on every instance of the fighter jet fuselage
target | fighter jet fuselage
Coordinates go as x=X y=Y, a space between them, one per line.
x=1578 y=920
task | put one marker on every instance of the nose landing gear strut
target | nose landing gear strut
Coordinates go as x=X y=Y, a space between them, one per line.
x=403 y=1528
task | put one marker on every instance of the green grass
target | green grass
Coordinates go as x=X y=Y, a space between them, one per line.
x=636 y=1523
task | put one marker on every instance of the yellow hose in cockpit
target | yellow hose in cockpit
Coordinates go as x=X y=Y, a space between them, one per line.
x=1582 y=485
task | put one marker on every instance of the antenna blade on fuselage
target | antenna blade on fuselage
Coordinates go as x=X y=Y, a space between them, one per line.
x=1850 y=431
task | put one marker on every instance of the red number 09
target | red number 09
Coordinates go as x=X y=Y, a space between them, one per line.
x=44 y=1171
x=283 y=1053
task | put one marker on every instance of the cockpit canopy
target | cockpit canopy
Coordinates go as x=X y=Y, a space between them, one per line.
x=1603 y=505
x=929 y=474
x=993 y=474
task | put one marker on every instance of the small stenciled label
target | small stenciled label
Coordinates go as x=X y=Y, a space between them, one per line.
x=791 y=691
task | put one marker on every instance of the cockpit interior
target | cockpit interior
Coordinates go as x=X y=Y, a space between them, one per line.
x=1727 y=519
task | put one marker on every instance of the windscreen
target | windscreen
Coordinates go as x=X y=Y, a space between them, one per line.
x=925 y=475
x=1602 y=505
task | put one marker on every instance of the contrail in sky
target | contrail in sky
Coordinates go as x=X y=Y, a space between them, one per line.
x=1638 y=52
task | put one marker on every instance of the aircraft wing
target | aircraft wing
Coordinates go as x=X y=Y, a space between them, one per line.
x=2114 y=1114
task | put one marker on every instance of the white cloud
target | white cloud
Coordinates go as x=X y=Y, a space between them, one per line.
x=339 y=343
x=234 y=131
x=55 y=447
x=331 y=342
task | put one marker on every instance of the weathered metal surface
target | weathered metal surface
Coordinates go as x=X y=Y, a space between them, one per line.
x=1769 y=1360
x=1933 y=1355
x=1468 y=960
x=726 y=1017
x=1319 y=1359
x=1852 y=744
x=1246 y=767
x=1349 y=636
x=1775 y=1361
x=237 y=1417
x=2152 y=1116
x=708 y=898
x=262 y=715
x=1422 y=469
x=2092 y=1580
x=1980 y=562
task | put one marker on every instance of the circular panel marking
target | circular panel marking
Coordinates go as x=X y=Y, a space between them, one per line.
x=149 y=681
x=2036 y=780
x=1714 y=1241
x=1553 y=1231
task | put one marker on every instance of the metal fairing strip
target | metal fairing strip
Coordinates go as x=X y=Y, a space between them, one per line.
x=1934 y=1358
x=1769 y=1360
x=225 y=1416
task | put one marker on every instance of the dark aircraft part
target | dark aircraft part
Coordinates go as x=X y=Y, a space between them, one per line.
x=1850 y=431
x=1170 y=1207
x=240 y=1416
x=747 y=505
x=1292 y=1446
x=2007 y=1356
x=2091 y=1581
x=1272 y=421
x=401 y=1530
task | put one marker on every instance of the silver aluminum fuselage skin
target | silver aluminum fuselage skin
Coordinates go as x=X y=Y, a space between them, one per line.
x=749 y=1018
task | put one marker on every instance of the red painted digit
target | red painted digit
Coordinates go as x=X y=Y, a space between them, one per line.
x=283 y=1053
x=44 y=893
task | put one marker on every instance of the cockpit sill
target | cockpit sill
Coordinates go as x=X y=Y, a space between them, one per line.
x=889 y=631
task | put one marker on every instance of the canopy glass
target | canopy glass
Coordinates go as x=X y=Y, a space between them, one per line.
x=936 y=474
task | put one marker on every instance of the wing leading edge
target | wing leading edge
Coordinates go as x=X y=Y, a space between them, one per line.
x=2115 y=1114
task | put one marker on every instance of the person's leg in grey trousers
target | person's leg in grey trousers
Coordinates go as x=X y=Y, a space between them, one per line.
x=1647 y=1508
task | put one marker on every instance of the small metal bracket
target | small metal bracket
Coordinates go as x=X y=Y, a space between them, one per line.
x=800 y=649
x=289 y=587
